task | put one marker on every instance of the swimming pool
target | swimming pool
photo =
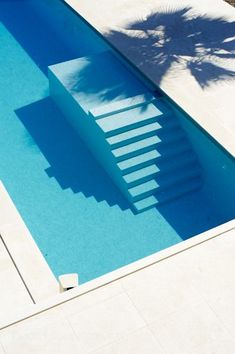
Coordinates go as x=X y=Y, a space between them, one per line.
x=78 y=217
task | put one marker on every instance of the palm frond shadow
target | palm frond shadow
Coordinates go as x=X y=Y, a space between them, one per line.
x=201 y=44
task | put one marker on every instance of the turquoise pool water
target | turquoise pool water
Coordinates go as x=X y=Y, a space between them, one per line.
x=78 y=218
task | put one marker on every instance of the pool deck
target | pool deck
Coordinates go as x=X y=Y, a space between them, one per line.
x=190 y=55
x=182 y=303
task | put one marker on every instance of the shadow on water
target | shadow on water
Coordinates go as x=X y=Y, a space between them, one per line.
x=71 y=163
x=103 y=79
x=198 y=43
x=74 y=167
x=192 y=214
x=42 y=42
x=48 y=43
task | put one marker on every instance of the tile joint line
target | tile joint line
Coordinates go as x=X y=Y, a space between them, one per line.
x=17 y=269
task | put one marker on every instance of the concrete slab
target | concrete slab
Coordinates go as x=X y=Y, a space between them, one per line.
x=106 y=322
x=195 y=329
x=138 y=342
x=46 y=337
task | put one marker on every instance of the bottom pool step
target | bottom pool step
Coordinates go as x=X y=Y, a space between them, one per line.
x=168 y=195
x=145 y=203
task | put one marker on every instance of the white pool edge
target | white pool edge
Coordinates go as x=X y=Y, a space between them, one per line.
x=36 y=275
x=60 y=298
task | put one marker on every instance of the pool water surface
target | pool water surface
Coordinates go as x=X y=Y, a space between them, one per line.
x=75 y=213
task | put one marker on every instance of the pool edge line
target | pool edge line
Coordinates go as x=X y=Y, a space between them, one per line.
x=116 y=275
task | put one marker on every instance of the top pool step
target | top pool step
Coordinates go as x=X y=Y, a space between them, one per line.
x=122 y=105
x=129 y=119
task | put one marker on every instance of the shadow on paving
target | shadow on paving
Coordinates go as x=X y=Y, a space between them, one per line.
x=198 y=43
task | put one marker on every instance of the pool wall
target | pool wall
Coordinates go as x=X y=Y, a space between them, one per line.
x=83 y=125
x=218 y=167
x=58 y=16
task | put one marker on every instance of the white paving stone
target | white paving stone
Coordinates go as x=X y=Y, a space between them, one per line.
x=140 y=342
x=91 y=299
x=208 y=267
x=215 y=281
x=105 y=322
x=195 y=330
x=224 y=308
x=2 y=350
x=160 y=289
x=48 y=338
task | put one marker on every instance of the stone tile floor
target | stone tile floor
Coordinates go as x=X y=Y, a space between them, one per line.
x=184 y=304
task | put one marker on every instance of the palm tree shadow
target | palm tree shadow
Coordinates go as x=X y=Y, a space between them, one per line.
x=101 y=79
x=71 y=163
x=201 y=44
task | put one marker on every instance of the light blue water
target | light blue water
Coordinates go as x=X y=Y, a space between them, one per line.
x=78 y=218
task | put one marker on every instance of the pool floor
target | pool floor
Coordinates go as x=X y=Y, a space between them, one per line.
x=78 y=218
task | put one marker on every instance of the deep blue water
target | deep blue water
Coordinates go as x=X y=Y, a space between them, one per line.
x=78 y=218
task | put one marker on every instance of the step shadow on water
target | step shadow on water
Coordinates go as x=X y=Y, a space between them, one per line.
x=71 y=163
x=73 y=166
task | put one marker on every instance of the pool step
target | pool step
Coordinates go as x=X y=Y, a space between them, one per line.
x=150 y=149
x=159 y=153
x=164 y=181
x=129 y=119
x=145 y=204
x=122 y=105
x=144 y=145
x=168 y=195
x=154 y=170
x=145 y=131
x=143 y=174
x=137 y=139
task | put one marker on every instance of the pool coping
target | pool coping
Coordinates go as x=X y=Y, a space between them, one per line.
x=28 y=260
x=58 y=298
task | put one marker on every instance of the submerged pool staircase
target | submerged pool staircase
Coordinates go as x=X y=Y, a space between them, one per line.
x=137 y=138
